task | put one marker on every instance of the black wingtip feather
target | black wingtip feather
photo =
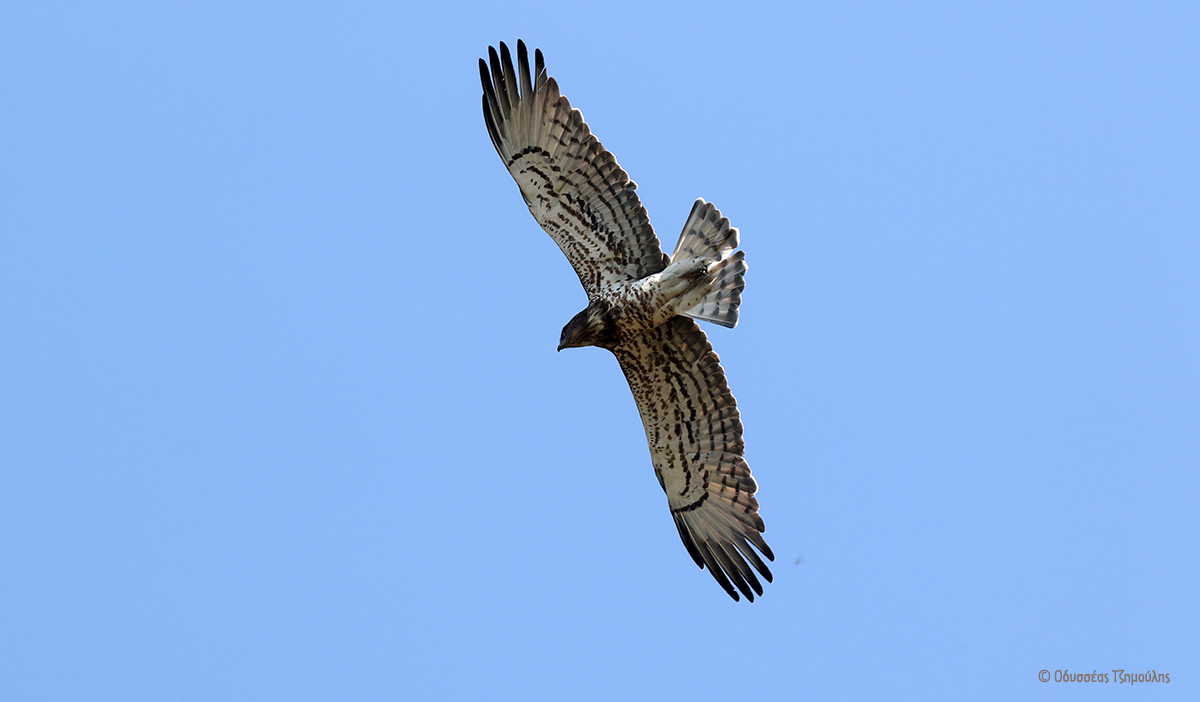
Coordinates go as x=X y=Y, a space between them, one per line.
x=491 y=124
x=510 y=74
x=751 y=556
x=733 y=571
x=501 y=83
x=523 y=67
x=491 y=111
x=485 y=78
x=687 y=541
x=746 y=571
x=715 y=570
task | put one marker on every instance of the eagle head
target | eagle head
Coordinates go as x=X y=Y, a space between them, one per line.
x=594 y=326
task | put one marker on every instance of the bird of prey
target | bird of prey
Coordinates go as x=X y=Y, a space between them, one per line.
x=641 y=307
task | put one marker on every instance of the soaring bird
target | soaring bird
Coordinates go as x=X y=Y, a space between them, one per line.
x=641 y=307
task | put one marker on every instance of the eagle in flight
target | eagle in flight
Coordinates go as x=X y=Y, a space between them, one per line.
x=641 y=306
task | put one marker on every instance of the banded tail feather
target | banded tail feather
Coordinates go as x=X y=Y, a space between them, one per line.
x=707 y=235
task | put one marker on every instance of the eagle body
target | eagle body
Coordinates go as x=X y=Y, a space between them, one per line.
x=625 y=310
x=642 y=306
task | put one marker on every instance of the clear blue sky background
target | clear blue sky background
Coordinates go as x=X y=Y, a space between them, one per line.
x=281 y=415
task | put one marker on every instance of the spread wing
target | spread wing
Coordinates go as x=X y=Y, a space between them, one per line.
x=695 y=436
x=572 y=184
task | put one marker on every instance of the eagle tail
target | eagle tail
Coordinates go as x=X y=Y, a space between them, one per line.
x=720 y=305
x=707 y=235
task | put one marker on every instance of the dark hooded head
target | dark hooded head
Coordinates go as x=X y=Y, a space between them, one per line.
x=594 y=326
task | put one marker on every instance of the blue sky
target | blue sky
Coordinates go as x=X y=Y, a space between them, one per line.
x=281 y=415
